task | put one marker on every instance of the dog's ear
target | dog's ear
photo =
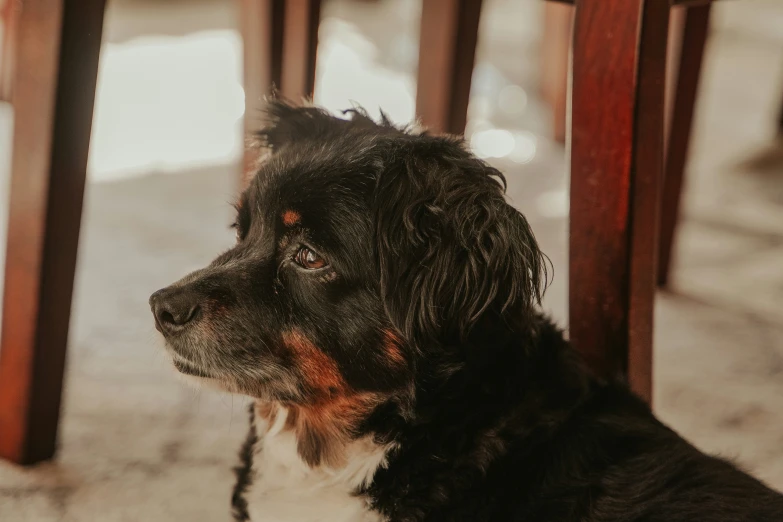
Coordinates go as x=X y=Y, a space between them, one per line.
x=288 y=124
x=451 y=250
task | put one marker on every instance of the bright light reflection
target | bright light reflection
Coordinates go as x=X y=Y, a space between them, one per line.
x=492 y=143
x=553 y=204
x=488 y=142
x=512 y=100
x=480 y=107
x=166 y=103
x=524 y=147
x=349 y=75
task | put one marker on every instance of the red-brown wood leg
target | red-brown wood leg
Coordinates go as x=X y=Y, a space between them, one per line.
x=280 y=41
x=54 y=88
x=9 y=20
x=261 y=24
x=300 y=42
x=691 y=26
x=447 y=49
x=616 y=145
x=555 y=49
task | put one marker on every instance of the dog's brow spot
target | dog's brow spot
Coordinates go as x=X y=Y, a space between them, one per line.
x=291 y=218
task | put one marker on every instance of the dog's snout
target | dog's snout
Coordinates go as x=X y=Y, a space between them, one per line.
x=174 y=309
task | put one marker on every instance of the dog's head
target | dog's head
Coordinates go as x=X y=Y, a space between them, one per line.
x=362 y=250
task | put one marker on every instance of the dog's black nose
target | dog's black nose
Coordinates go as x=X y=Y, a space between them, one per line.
x=173 y=309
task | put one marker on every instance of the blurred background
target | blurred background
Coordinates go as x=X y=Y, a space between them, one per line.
x=164 y=166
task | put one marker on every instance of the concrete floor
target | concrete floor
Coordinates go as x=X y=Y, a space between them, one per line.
x=136 y=444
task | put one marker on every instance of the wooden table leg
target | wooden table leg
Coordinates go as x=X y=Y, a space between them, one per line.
x=690 y=27
x=280 y=41
x=54 y=88
x=616 y=146
x=447 y=49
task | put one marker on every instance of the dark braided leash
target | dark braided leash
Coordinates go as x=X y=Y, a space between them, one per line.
x=244 y=471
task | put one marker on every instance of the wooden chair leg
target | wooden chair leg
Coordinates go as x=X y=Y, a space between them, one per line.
x=690 y=27
x=616 y=143
x=58 y=42
x=555 y=49
x=9 y=19
x=280 y=41
x=300 y=41
x=447 y=49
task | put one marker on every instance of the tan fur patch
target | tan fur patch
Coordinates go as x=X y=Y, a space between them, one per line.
x=324 y=426
x=324 y=429
x=318 y=370
x=291 y=218
x=392 y=345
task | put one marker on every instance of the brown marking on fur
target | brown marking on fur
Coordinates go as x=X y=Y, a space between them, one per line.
x=325 y=428
x=291 y=218
x=318 y=370
x=324 y=425
x=392 y=345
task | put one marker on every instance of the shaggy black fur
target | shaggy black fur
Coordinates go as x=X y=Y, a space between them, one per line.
x=382 y=285
x=541 y=440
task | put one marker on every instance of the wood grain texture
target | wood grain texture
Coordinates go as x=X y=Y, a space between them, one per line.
x=690 y=27
x=54 y=86
x=280 y=43
x=447 y=49
x=555 y=51
x=616 y=149
x=646 y=182
x=300 y=39
x=261 y=25
x=9 y=20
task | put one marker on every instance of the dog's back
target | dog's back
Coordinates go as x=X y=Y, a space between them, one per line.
x=615 y=462
x=571 y=449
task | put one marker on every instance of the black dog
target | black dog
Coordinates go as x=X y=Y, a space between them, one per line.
x=380 y=305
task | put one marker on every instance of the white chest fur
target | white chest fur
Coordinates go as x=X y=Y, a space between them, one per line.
x=285 y=489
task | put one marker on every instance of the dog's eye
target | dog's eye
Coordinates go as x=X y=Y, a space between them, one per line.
x=308 y=259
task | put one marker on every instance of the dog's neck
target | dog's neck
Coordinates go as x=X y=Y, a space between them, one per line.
x=322 y=431
x=276 y=483
x=526 y=359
